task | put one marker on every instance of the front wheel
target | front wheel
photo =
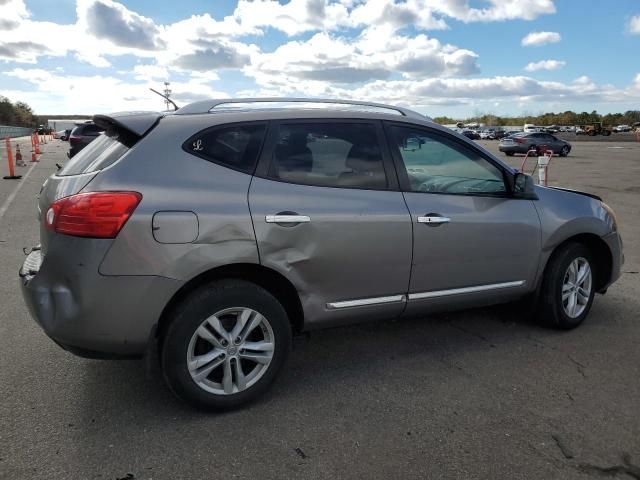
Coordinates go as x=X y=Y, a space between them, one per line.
x=565 y=151
x=225 y=344
x=568 y=287
x=509 y=154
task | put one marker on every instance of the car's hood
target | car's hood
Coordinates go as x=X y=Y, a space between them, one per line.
x=578 y=192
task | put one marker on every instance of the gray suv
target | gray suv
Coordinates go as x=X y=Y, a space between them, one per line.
x=207 y=237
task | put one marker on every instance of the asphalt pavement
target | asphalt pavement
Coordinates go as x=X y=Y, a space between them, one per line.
x=475 y=394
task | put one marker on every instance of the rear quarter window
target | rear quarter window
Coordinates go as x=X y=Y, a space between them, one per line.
x=233 y=146
x=99 y=154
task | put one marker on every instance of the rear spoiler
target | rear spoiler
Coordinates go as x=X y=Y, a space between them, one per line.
x=132 y=123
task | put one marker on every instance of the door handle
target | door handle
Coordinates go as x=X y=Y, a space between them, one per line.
x=287 y=218
x=433 y=219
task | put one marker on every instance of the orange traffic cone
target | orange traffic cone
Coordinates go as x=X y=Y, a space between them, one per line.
x=12 y=174
x=19 y=160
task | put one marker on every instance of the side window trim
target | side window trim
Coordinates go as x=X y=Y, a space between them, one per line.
x=403 y=176
x=223 y=126
x=266 y=155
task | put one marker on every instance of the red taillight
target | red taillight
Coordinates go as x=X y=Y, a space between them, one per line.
x=92 y=214
x=73 y=139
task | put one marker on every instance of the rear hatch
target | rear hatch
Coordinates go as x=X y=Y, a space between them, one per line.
x=122 y=132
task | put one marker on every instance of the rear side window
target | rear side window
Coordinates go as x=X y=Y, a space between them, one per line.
x=236 y=146
x=332 y=154
x=99 y=154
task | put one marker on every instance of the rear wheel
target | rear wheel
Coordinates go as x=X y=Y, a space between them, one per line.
x=225 y=344
x=567 y=290
x=509 y=154
x=565 y=151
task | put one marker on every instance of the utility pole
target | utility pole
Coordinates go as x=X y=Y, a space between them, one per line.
x=167 y=94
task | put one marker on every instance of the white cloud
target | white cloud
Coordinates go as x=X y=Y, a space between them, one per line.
x=60 y=93
x=377 y=54
x=299 y=16
x=150 y=72
x=13 y=13
x=294 y=17
x=545 y=65
x=498 y=10
x=113 y=21
x=350 y=48
x=536 y=39
x=634 y=25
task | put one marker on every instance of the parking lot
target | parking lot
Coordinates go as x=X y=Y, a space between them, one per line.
x=474 y=394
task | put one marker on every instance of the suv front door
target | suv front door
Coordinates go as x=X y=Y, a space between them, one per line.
x=473 y=242
x=328 y=215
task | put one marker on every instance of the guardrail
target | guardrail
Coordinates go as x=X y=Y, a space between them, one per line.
x=13 y=132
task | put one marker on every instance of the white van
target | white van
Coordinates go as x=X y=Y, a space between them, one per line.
x=530 y=128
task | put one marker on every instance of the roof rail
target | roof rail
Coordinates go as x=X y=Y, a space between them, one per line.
x=206 y=106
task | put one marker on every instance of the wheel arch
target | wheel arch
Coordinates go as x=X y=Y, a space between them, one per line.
x=275 y=283
x=601 y=253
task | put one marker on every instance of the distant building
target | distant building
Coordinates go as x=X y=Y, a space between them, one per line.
x=64 y=124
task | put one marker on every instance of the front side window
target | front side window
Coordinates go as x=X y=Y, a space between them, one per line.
x=236 y=146
x=437 y=164
x=344 y=155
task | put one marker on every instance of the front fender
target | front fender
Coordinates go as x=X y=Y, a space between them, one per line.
x=565 y=214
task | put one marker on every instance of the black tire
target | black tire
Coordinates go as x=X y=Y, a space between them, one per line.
x=187 y=317
x=509 y=154
x=551 y=312
x=565 y=151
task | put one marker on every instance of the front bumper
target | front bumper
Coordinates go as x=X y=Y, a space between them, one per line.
x=87 y=313
x=614 y=242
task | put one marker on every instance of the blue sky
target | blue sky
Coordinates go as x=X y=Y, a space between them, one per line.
x=441 y=57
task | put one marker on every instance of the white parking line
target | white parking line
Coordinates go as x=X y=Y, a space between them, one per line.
x=7 y=202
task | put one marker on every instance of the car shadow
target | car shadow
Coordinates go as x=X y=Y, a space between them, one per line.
x=351 y=355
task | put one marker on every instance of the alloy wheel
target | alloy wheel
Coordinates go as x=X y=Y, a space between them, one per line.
x=230 y=351
x=576 y=287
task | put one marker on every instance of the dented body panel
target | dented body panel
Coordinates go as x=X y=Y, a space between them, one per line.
x=357 y=245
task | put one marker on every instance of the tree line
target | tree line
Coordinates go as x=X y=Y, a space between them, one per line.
x=17 y=114
x=564 y=118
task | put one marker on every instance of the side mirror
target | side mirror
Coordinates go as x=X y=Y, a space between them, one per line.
x=524 y=187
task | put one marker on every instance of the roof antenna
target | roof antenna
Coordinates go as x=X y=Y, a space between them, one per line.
x=166 y=99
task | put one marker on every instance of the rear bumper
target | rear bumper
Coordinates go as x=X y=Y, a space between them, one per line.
x=90 y=314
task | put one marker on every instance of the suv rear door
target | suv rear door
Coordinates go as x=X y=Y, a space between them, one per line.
x=328 y=215
x=472 y=240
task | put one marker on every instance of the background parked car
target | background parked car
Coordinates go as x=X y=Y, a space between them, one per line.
x=83 y=135
x=497 y=134
x=508 y=133
x=622 y=128
x=522 y=143
x=471 y=134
